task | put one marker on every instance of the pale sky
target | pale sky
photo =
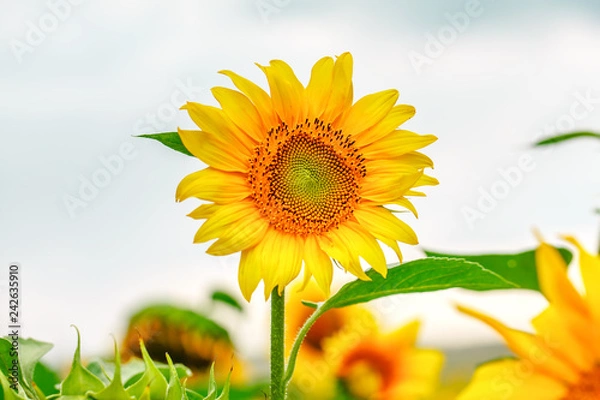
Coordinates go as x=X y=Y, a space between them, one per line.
x=487 y=78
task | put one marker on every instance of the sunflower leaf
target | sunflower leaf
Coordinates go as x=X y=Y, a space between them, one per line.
x=424 y=275
x=169 y=139
x=565 y=137
x=29 y=354
x=519 y=268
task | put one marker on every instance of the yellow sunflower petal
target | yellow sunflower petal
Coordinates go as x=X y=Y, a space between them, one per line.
x=416 y=159
x=213 y=185
x=426 y=180
x=219 y=222
x=249 y=273
x=341 y=88
x=385 y=225
x=242 y=235
x=281 y=260
x=530 y=347
x=339 y=251
x=213 y=151
x=512 y=380
x=258 y=96
x=318 y=263
x=396 y=144
x=404 y=202
x=386 y=188
x=204 y=211
x=241 y=111
x=396 y=117
x=287 y=92
x=360 y=243
x=319 y=86
x=211 y=119
x=369 y=111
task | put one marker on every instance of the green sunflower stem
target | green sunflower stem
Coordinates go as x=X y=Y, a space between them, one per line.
x=278 y=386
x=297 y=343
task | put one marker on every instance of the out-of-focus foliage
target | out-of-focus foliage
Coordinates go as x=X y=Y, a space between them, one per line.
x=220 y=296
x=565 y=137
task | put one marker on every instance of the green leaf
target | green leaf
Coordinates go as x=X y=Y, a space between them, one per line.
x=519 y=268
x=31 y=351
x=8 y=393
x=212 y=386
x=224 y=297
x=565 y=137
x=424 y=275
x=152 y=379
x=115 y=390
x=169 y=139
x=175 y=390
x=80 y=380
x=46 y=379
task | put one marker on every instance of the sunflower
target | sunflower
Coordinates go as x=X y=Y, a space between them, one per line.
x=386 y=366
x=301 y=175
x=188 y=337
x=561 y=361
x=314 y=376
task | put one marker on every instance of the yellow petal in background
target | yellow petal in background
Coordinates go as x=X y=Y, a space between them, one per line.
x=554 y=282
x=512 y=380
x=529 y=347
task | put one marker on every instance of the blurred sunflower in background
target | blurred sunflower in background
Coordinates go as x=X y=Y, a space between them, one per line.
x=345 y=355
x=386 y=366
x=188 y=337
x=301 y=175
x=561 y=361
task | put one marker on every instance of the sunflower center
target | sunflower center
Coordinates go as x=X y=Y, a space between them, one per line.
x=588 y=387
x=307 y=179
